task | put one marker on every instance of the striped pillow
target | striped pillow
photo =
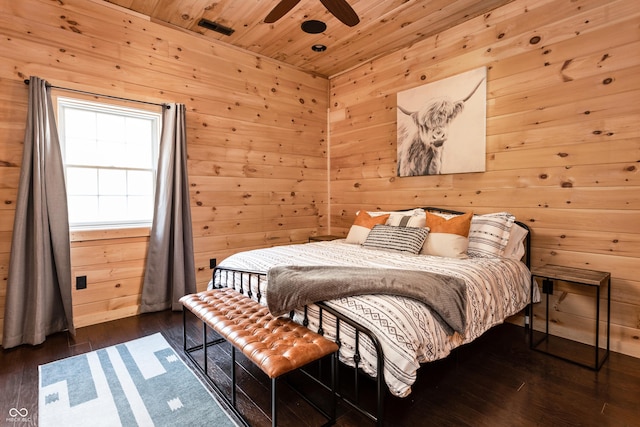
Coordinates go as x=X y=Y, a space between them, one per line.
x=489 y=234
x=407 y=220
x=400 y=239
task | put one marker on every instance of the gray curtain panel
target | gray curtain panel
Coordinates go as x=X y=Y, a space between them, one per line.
x=38 y=301
x=170 y=270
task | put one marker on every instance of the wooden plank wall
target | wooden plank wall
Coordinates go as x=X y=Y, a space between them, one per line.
x=562 y=144
x=256 y=136
x=563 y=149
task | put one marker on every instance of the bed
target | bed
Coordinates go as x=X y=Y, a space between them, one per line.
x=388 y=336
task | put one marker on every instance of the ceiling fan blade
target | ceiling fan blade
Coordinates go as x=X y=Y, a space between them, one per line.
x=280 y=10
x=341 y=10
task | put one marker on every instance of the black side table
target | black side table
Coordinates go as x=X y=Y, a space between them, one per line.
x=564 y=348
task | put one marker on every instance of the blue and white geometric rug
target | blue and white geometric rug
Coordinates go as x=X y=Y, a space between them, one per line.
x=138 y=383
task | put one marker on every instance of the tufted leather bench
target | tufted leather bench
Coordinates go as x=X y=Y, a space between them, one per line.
x=276 y=345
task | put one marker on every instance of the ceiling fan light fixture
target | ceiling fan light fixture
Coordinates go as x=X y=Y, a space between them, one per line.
x=318 y=48
x=313 y=26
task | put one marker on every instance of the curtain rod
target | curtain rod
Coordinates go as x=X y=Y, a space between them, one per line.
x=26 y=81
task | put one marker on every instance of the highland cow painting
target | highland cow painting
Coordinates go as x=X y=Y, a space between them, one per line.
x=442 y=126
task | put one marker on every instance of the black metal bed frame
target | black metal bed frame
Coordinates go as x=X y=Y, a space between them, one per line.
x=353 y=399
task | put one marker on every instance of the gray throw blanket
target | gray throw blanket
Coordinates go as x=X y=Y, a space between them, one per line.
x=291 y=287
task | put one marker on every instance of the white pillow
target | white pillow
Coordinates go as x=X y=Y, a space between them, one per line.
x=357 y=234
x=446 y=245
x=515 y=247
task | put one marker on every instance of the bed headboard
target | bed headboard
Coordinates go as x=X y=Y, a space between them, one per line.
x=527 y=240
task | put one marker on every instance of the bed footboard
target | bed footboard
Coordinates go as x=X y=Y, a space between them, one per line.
x=253 y=283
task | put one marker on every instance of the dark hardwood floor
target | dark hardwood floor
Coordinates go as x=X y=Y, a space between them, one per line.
x=495 y=381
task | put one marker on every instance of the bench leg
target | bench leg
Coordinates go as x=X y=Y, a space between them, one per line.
x=334 y=377
x=233 y=376
x=184 y=329
x=204 y=347
x=274 y=412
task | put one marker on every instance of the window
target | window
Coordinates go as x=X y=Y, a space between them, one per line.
x=110 y=156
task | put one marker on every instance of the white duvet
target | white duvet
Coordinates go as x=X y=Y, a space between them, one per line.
x=496 y=289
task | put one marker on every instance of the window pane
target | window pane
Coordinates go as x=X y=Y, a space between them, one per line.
x=111 y=154
x=112 y=208
x=138 y=156
x=112 y=182
x=111 y=128
x=81 y=151
x=141 y=208
x=80 y=124
x=138 y=131
x=140 y=183
x=82 y=209
x=82 y=181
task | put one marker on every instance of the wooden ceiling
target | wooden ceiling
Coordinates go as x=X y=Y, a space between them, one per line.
x=384 y=26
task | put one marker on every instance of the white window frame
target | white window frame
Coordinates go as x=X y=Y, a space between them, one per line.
x=156 y=119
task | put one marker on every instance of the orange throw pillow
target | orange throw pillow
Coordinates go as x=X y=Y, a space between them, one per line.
x=448 y=237
x=366 y=220
x=459 y=225
x=363 y=225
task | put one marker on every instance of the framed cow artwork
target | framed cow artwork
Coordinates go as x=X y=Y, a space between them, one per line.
x=442 y=126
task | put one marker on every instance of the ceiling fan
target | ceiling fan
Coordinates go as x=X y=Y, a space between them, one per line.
x=339 y=8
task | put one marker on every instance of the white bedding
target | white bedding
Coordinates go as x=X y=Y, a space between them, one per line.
x=496 y=289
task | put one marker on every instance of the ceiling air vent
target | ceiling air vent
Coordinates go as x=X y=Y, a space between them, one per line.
x=210 y=25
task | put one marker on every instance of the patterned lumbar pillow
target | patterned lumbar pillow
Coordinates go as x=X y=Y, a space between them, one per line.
x=363 y=225
x=401 y=239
